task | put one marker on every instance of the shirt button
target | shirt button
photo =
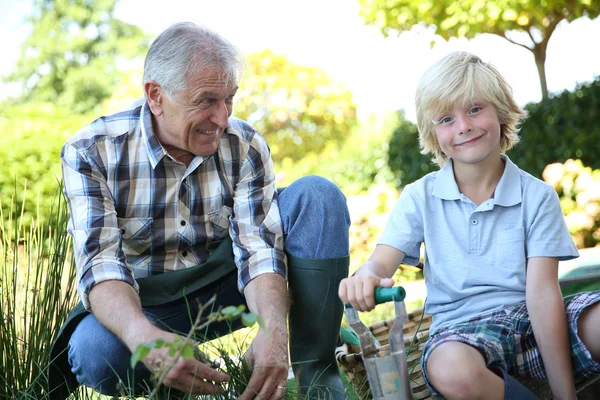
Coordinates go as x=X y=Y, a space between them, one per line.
x=182 y=223
x=184 y=254
x=474 y=222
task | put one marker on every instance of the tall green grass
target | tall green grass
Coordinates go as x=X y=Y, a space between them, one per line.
x=37 y=290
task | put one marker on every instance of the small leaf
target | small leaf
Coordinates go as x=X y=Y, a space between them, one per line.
x=159 y=343
x=229 y=310
x=172 y=351
x=249 y=319
x=188 y=351
x=139 y=354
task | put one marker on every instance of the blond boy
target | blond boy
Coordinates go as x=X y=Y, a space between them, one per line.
x=493 y=237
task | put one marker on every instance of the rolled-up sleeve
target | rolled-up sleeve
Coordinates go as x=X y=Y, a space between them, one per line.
x=93 y=223
x=256 y=227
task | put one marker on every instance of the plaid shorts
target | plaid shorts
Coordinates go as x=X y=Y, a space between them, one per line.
x=505 y=340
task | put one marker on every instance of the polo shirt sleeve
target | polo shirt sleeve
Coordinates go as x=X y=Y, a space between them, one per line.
x=548 y=235
x=256 y=228
x=92 y=224
x=404 y=229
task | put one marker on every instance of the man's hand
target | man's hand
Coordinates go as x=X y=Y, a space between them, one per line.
x=266 y=295
x=186 y=375
x=268 y=358
x=117 y=306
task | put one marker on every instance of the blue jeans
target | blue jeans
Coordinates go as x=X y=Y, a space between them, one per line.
x=315 y=223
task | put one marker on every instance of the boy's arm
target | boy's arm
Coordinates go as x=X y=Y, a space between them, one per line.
x=358 y=290
x=547 y=314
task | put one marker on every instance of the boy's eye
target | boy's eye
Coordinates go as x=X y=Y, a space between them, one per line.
x=475 y=110
x=442 y=121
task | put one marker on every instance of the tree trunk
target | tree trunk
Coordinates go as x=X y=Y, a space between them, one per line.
x=539 y=52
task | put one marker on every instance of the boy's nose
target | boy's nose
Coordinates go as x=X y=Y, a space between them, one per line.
x=463 y=124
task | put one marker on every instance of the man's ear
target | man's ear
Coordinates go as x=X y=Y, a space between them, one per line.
x=154 y=95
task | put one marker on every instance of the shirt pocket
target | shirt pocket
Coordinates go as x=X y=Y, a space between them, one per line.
x=510 y=249
x=219 y=221
x=136 y=234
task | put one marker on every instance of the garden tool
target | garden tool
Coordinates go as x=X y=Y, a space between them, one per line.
x=387 y=372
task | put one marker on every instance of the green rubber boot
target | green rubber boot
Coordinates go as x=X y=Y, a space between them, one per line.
x=315 y=318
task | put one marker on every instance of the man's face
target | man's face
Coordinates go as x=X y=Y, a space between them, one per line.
x=192 y=122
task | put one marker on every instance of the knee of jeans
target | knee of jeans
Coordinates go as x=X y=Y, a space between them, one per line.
x=320 y=193
x=97 y=358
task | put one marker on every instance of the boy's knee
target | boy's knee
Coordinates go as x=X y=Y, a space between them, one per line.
x=454 y=372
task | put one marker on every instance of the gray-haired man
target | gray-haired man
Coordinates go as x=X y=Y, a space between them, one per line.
x=174 y=201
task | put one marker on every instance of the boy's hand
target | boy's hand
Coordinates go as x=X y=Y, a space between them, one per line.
x=359 y=290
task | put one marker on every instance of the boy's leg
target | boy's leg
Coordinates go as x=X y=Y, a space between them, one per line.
x=588 y=326
x=101 y=361
x=316 y=223
x=583 y=318
x=458 y=371
x=472 y=359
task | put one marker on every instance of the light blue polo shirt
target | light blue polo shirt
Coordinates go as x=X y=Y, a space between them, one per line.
x=475 y=256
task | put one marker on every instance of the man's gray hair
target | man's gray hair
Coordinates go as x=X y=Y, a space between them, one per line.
x=183 y=50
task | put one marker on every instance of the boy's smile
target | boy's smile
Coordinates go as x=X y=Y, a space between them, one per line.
x=469 y=134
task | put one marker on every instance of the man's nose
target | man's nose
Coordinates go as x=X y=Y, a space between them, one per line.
x=220 y=114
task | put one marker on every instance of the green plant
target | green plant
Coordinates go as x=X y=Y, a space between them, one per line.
x=37 y=291
x=188 y=348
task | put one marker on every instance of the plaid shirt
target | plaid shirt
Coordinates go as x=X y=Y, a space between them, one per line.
x=136 y=211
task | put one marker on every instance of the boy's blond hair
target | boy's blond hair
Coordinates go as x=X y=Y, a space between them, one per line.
x=458 y=79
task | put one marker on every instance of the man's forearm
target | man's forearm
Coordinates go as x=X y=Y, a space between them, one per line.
x=117 y=306
x=267 y=296
x=546 y=311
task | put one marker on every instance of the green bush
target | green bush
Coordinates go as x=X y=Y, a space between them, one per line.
x=32 y=136
x=405 y=159
x=561 y=127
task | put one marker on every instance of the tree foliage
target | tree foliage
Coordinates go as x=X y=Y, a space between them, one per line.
x=71 y=58
x=297 y=109
x=468 y=18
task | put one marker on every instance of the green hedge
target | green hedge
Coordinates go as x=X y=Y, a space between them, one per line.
x=561 y=127
x=30 y=144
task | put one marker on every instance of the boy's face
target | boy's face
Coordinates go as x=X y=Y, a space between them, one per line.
x=469 y=134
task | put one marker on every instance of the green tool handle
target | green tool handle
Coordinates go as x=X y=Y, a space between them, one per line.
x=383 y=295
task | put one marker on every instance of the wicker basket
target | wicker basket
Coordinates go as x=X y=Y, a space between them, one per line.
x=416 y=332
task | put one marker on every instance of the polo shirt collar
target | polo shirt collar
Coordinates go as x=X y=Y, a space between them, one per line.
x=445 y=186
x=507 y=193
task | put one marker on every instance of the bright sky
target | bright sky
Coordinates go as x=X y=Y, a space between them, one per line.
x=381 y=73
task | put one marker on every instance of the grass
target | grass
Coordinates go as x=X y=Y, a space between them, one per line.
x=36 y=292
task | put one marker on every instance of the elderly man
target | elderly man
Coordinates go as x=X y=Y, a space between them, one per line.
x=173 y=202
